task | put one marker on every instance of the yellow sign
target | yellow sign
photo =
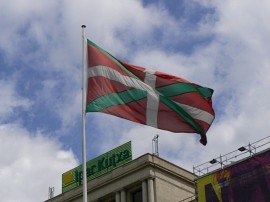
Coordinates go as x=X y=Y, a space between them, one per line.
x=210 y=186
x=68 y=178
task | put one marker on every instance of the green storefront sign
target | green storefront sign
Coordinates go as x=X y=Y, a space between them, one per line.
x=97 y=166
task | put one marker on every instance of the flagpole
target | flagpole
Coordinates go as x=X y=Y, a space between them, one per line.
x=83 y=115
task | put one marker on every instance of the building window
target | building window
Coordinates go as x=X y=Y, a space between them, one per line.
x=137 y=196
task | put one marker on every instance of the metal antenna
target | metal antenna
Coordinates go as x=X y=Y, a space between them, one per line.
x=155 y=145
x=51 y=192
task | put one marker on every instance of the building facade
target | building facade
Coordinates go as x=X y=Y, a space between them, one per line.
x=148 y=178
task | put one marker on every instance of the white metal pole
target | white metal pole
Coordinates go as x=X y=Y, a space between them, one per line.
x=83 y=114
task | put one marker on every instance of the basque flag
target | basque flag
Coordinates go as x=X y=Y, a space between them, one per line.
x=147 y=97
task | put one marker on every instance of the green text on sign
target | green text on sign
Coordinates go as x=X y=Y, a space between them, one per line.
x=97 y=166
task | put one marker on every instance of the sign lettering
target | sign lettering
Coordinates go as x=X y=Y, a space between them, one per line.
x=97 y=166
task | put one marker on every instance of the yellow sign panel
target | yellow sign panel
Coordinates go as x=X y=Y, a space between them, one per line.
x=211 y=185
x=68 y=178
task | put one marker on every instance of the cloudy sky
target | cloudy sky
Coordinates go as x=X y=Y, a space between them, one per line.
x=219 y=44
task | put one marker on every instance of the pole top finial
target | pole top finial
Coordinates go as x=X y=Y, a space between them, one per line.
x=83 y=26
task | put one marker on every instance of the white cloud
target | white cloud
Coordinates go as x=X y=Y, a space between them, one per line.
x=24 y=22
x=10 y=100
x=239 y=66
x=30 y=163
x=115 y=26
